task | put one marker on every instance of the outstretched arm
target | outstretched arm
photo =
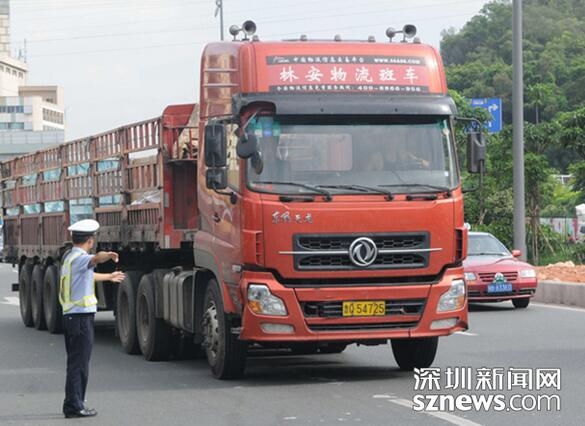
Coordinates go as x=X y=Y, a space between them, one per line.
x=104 y=256
x=116 y=276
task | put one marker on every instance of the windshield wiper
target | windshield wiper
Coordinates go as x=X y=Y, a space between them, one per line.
x=361 y=188
x=436 y=188
x=325 y=193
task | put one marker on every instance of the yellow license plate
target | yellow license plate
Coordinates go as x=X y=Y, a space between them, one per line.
x=364 y=309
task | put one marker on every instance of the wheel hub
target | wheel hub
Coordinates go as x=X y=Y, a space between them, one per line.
x=211 y=327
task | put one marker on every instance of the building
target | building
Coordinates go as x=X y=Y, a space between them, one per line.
x=31 y=117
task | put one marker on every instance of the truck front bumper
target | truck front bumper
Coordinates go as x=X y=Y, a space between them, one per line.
x=314 y=313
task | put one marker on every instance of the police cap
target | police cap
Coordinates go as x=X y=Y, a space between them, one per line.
x=84 y=227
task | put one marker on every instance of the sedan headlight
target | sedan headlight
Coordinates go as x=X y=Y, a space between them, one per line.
x=527 y=273
x=470 y=276
x=261 y=301
x=454 y=298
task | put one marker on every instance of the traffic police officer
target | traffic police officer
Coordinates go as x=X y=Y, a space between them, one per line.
x=77 y=297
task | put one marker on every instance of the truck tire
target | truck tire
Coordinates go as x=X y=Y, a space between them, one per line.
x=126 y=312
x=226 y=354
x=415 y=353
x=154 y=335
x=521 y=303
x=51 y=304
x=24 y=293
x=36 y=297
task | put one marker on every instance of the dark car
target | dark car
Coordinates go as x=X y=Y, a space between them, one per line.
x=493 y=274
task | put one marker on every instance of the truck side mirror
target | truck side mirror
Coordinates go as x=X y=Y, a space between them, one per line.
x=215 y=146
x=476 y=144
x=216 y=178
x=247 y=145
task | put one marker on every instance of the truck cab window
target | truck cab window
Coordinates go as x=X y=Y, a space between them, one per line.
x=355 y=154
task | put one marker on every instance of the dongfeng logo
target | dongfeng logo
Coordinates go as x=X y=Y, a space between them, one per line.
x=363 y=252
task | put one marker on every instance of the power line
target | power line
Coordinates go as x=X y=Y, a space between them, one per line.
x=278 y=20
x=203 y=42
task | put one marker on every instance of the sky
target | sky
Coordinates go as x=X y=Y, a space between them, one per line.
x=123 y=61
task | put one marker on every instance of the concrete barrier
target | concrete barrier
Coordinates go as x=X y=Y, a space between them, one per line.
x=571 y=294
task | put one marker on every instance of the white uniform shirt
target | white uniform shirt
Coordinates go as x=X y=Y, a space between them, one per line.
x=82 y=283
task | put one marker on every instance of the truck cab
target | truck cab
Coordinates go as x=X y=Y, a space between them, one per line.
x=331 y=209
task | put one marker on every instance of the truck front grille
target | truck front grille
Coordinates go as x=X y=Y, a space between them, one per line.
x=331 y=252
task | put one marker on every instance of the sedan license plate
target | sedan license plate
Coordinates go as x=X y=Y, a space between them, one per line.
x=499 y=288
x=364 y=309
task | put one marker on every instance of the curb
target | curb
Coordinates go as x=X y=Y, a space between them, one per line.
x=570 y=294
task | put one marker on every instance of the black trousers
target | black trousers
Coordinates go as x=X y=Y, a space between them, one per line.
x=78 y=329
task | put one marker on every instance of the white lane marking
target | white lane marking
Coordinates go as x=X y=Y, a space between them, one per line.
x=11 y=301
x=466 y=333
x=450 y=418
x=564 y=308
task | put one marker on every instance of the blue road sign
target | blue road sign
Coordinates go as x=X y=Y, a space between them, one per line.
x=494 y=107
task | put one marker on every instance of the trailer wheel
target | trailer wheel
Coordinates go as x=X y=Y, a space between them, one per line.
x=126 y=312
x=415 y=353
x=51 y=305
x=154 y=335
x=226 y=354
x=24 y=293
x=36 y=293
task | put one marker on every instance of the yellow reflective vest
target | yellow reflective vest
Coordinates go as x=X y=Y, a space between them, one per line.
x=65 y=288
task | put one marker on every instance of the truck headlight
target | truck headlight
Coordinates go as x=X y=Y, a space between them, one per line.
x=261 y=301
x=527 y=273
x=470 y=276
x=454 y=298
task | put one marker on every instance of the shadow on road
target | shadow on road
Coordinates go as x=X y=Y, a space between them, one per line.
x=269 y=367
x=491 y=307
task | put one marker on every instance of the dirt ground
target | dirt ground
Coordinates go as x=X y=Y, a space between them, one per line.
x=566 y=272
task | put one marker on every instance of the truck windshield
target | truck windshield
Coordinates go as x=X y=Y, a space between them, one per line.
x=353 y=158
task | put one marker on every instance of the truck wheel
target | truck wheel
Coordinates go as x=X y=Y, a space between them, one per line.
x=51 y=305
x=333 y=348
x=154 y=335
x=126 y=312
x=521 y=303
x=226 y=354
x=415 y=353
x=24 y=293
x=36 y=297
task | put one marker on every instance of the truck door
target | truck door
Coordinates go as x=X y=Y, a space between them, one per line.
x=227 y=219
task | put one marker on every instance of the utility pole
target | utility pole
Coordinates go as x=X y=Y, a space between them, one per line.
x=518 y=127
x=219 y=9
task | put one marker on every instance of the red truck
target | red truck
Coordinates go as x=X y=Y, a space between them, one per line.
x=311 y=200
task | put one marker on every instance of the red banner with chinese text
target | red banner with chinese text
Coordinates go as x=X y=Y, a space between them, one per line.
x=347 y=73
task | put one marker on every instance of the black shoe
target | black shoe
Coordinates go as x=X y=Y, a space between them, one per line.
x=86 y=412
